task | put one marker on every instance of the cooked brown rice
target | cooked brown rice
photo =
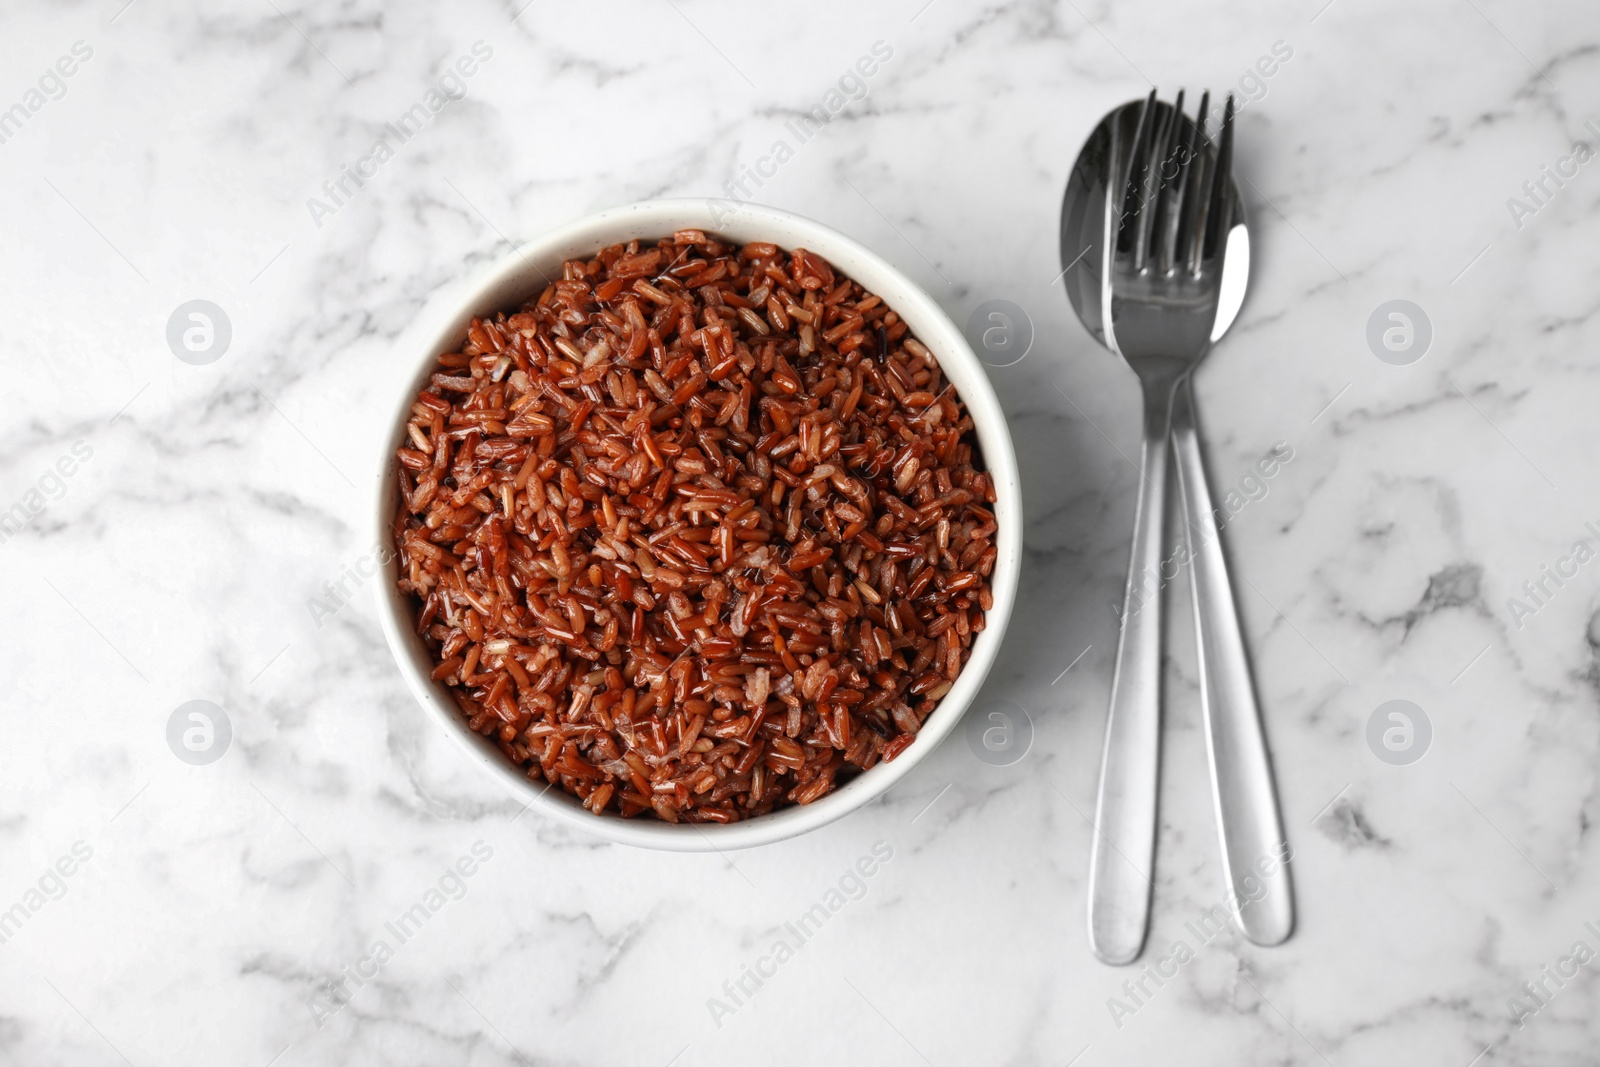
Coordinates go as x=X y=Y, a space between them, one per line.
x=699 y=532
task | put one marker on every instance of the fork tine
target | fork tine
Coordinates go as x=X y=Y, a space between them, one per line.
x=1191 y=222
x=1161 y=224
x=1177 y=155
x=1133 y=199
x=1149 y=229
x=1221 y=187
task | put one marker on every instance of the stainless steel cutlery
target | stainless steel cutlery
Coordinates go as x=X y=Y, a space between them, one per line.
x=1156 y=250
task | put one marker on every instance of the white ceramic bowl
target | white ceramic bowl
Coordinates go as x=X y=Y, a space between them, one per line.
x=442 y=326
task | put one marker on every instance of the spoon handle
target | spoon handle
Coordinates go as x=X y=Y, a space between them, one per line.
x=1254 y=851
x=1121 y=856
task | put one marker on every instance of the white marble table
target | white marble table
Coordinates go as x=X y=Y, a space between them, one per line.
x=197 y=547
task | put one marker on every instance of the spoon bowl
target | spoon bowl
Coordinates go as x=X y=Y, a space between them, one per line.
x=1087 y=232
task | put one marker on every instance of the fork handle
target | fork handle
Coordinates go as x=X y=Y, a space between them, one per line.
x=1121 y=857
x=1254 y=851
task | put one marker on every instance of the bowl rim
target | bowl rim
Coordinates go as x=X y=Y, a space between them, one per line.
x=512 y=278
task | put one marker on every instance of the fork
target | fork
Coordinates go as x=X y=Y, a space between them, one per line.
x=1164 y=245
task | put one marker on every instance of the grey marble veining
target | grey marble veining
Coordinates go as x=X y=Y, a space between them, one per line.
x=194 y=532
